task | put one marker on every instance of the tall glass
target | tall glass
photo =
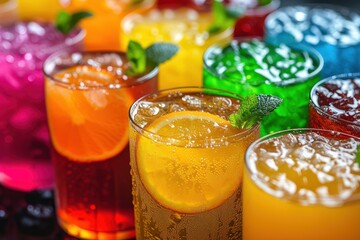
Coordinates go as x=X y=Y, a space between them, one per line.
x=88 y=96
x=8 y=12
x=103 y=28
x=24 y=142
x=42 y=10
x=334 y=104
x=302 y=184
x=185 y=27
x=334 y=31
x=186 y=164
x=250 y=66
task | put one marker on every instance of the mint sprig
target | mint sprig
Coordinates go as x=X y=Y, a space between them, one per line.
x=223 y=17
x=253 y=109
x=141 y=58
x=357 y=157
x=264 y=2
x=65 y=22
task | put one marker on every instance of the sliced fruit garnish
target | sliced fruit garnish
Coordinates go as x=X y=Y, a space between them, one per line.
x=87 y=124
x=185 y=178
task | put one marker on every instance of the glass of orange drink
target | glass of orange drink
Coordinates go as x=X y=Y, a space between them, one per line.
x=186 y=164
x=103 y=27
x=186 y=27
x=88 y=96
x=302 y=184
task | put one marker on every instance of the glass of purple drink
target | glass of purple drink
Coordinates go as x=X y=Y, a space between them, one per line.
x=24 y=143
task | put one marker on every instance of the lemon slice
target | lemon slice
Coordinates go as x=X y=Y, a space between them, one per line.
x=87 y=125
x=190 y=179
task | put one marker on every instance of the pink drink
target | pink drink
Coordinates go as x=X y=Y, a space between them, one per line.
x=24 y=142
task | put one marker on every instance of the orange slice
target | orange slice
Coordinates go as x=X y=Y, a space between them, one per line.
x=87 y=124
x=189 y=179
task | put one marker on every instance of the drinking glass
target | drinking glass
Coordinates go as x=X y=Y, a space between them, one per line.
x=103 y=28
x=186 y=164
x=185 y=27
x=332 y=30
x=334 y=104
x=88 y=96
x=302 y=184
x=24 y=142
x=251 y=66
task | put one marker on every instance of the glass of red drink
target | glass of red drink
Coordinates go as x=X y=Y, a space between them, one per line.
x=335 y=104
x=88 y=96
x=251 y=23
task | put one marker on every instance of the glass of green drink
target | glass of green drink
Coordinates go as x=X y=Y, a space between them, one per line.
x=252 y=66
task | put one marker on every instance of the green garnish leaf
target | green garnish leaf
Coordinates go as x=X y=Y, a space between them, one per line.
x=65 y=22
x=253 y=109
x=357 y=158
x=134 y=2
x=141 y=59
x=158 y=53
x=223 y=17
x=137 y=57
x=264 y=2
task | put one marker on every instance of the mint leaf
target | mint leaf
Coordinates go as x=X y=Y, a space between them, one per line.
x=264 y=2
x=223 y=17
x=253 y=109
x=141 y=59
x=65 y=22
x=158 y=53
x=137 y=57
x=357 y=158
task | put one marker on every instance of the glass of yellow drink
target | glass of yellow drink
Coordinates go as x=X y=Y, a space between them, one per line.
x=45 y=10
x=88 y=96
x=185 y=27
x=302 y=184
x=103 y=27
x=187 y=164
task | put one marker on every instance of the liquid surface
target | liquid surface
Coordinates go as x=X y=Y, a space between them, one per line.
x=307 y=168
x=257 y=62
x=339 y=98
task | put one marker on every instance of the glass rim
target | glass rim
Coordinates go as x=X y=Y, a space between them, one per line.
x=186 y=89
x=263 y=10
x=50 y=63
x=342 y=10
x=319 y=109
x=292 y=81
x=255 y=180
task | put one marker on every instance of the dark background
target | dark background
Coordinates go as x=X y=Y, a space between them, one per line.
x=345 y=3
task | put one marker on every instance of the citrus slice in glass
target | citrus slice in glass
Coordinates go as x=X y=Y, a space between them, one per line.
x=182 y=175
x=87 y=124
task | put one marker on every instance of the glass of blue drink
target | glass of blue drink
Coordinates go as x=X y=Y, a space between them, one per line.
x=332 y=30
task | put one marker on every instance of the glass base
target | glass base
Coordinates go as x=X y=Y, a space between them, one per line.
x=78 y=232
